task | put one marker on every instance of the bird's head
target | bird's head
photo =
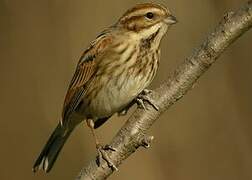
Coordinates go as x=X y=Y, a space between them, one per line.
x=146 y=19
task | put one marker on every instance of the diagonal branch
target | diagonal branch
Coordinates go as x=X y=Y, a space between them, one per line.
x=133 y=134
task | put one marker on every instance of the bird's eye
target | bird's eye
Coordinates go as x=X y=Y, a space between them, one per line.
x=149 y=15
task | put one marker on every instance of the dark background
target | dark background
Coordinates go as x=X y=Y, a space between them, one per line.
x=207 y=135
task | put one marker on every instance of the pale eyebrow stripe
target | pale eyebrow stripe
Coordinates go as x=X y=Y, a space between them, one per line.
x=138 y=12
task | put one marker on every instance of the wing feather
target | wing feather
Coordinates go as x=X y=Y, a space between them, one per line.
x=85 y=69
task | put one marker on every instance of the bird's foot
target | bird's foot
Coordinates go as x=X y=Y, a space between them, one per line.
x=103 y=155
x=145 y=96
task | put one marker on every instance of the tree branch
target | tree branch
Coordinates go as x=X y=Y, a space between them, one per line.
x=133 y=134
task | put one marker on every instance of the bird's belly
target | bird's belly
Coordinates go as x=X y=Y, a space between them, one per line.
x=115 y=95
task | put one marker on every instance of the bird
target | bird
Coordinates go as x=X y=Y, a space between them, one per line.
x=112 y=73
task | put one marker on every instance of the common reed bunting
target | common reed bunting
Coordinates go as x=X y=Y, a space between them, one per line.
x=111 y=74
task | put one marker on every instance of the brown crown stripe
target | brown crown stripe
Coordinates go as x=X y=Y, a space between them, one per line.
x=143 y=7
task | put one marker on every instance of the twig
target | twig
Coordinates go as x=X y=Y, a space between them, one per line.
x=133 y=134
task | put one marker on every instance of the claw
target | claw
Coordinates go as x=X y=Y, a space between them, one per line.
x=146 y=141
x=108 y=147
x=102 y=154
x=147 y=91
x=144 y=96
x=140 y=103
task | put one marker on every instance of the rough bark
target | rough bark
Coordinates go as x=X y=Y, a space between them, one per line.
x=133 y=134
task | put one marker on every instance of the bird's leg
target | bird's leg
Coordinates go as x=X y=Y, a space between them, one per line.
x=102 y=154
x=145 y=96
x=90 y=124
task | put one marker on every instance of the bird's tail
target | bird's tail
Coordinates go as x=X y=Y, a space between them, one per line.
x=52 y=149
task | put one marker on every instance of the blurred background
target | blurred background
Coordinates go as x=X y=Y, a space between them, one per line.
x=206 y=135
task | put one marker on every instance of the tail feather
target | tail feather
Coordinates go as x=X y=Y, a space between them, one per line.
x=51 y=150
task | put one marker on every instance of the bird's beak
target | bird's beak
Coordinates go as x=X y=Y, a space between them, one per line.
x=170 y=20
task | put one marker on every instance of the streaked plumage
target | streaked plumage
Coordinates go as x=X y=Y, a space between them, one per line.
x=117 y=66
